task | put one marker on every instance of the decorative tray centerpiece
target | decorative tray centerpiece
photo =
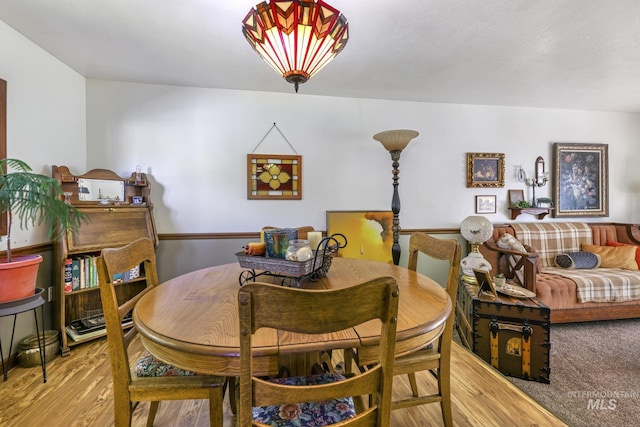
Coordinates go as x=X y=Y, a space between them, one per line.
x=292 y=272
x=278 y=265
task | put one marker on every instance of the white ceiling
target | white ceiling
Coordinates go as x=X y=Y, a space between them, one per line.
x=568 y=54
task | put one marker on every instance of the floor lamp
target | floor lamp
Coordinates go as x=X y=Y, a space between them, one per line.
x=395 y=141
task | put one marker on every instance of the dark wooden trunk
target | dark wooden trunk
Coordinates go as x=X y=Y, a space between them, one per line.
x=510 y=334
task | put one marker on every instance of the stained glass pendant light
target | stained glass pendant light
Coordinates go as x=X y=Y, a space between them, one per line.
x=296 y=38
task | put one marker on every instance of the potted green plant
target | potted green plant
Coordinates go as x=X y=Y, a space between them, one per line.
x=522 y=204
x=29 y=199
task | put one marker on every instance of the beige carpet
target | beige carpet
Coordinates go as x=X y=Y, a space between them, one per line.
x=595 y=374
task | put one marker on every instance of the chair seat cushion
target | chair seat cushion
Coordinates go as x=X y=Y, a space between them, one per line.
x=149 y=366
x=309 y=414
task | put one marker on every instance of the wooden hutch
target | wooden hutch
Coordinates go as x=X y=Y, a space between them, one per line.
x=118 y=211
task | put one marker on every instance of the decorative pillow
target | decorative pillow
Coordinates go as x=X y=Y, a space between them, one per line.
x=508 y=241
x=578 y=260
x=610 y=243
x=614 y=256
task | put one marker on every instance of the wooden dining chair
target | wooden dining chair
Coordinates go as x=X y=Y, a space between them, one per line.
x=151 y=380
x=436 y=358
x=302 y=401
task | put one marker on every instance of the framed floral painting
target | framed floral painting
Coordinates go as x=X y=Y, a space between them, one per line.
x=581 y=180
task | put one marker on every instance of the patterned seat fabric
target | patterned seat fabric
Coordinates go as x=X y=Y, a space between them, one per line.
x=309 y=414
x=149 y=366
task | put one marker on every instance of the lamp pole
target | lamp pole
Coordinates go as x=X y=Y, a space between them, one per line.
x=395 y=207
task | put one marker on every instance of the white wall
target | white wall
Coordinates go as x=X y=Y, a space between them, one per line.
x=45 y=113
x=193 y=142
x=45 y=126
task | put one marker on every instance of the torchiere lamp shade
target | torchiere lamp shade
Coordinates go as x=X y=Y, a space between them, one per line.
x=394 y=140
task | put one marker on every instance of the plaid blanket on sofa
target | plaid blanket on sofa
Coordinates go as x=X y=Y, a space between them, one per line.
x=602 y=284
x=598 y=285
x=552 y=238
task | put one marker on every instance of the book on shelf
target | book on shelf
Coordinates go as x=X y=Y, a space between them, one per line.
x=67 y=275
x=88 y=264
x=127 y=276
x=91 y=327
x=75 y=274
x=94 y=271
x=81 y=272
x=75 y=336
x=83 y=280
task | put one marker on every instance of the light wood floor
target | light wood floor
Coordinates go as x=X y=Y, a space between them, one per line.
x=78 y=393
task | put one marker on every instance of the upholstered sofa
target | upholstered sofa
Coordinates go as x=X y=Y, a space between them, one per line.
x=572 y=294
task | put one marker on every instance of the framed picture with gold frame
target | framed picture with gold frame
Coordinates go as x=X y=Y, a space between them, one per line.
x=485 y=170
x=274 y=176
x=484 y=281
x=581 y=180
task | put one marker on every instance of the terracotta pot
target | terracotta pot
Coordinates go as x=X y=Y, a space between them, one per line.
x=18 y=278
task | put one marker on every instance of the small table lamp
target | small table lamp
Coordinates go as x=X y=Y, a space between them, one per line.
x=477 y=230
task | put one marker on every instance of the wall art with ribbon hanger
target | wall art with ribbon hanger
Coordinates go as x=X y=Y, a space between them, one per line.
x=274 y=176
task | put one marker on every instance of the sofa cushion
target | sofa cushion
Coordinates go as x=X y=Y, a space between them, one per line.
x=614 y=256
x=611 y=243
x=578 y=260
x=507 y=241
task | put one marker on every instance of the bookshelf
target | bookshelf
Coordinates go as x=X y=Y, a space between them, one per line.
x=118 y=211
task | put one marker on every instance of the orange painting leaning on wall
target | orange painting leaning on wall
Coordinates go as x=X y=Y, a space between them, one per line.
x=369 y=233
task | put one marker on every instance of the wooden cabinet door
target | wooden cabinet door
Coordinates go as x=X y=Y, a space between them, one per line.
x=111 y=227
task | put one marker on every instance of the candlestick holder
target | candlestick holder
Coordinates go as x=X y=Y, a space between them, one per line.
x=540 y=179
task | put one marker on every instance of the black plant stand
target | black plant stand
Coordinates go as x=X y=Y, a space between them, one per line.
x=13 y=308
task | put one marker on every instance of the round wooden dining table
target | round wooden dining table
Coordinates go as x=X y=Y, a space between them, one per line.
x=191 y=321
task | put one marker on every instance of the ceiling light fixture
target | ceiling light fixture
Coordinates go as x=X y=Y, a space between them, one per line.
x=296 y=38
